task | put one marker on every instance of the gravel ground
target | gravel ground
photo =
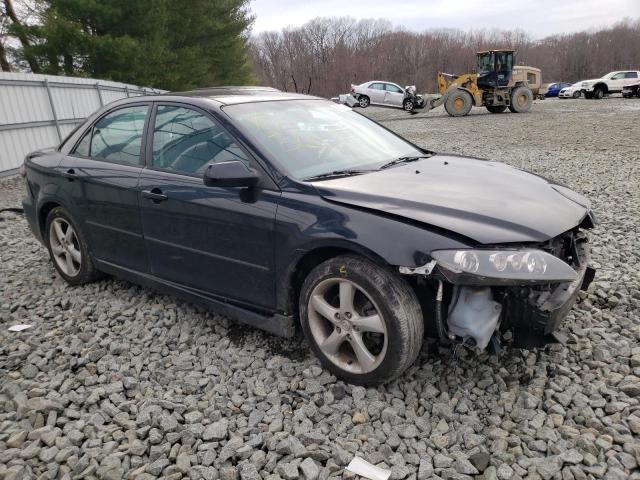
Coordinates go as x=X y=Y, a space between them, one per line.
x=116 y=381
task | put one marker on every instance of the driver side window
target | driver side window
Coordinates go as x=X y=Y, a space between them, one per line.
x=187 y=141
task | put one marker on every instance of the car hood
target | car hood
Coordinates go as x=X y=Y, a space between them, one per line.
x=488 y=202
x=593 y=80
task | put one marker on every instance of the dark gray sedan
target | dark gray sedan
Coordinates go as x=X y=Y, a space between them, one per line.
x=283 y=210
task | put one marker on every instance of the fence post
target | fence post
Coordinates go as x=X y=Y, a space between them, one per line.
x=53 y=108
x=99 y=94
x=126 y=90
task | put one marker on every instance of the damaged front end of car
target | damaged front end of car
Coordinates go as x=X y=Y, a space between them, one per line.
x=477 y=295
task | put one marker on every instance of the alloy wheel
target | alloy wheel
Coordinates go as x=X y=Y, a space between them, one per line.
x=347 y=325
x=65 y=247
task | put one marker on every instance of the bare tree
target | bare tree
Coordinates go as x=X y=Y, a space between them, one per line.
x=326 y=55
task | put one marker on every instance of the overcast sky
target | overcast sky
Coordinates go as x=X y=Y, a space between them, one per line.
x=537 y=17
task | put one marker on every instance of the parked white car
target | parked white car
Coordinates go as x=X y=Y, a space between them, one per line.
x=389 y=94
x=574 y=91
x=612 y=82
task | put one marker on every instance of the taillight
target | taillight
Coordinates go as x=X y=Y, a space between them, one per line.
x=22 y=170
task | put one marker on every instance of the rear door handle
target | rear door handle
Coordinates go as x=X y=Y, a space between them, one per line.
x=155 y=194
x=70 y=174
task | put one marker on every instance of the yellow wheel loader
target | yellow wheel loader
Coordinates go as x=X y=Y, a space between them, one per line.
x=497 y=85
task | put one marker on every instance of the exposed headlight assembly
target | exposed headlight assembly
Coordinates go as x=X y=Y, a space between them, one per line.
x=497 y=267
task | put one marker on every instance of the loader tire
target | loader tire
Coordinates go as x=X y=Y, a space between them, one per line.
x=521 y=100
x=458 y=103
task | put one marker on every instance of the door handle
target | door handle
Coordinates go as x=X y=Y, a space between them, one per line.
x=70 y=174
x=155 y=194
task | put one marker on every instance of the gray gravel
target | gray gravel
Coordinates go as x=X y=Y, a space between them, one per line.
x=116 y=381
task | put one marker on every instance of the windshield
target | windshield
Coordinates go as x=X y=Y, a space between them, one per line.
x=485 y=63
x=306 y=138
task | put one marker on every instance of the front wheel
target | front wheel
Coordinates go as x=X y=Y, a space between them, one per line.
x=408 y=105
x=68 y=248
x=598 y=93
x=577 y=94
x=458 y=103
x=363 y=101
x=363 y=322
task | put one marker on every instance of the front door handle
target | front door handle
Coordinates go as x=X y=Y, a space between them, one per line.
x=155 y=194
x=70 y=174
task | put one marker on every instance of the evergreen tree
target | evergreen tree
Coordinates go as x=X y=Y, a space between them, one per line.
x=170 y=44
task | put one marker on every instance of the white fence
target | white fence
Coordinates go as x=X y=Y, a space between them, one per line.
x=37 y=111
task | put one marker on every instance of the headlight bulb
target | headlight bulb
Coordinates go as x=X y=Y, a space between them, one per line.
x=467 y=261
x=535 y=262
x=499 y=261
x=516 y=261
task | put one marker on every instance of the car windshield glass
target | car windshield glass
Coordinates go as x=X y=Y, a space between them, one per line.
x=305 y=138
x=610 y=74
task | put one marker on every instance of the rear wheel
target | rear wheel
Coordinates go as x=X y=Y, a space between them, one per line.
x=521 y=100
x=496 y=108
x=363 y=101
x=458 y=103
x=68 y=248
x=363 y=322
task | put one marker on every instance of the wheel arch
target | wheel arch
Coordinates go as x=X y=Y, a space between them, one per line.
x=307 y=260
x=601 y=85
x=43 y=212
x=473 y=98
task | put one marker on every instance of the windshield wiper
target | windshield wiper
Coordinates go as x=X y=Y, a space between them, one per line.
x=336 y=174
x=404 y=160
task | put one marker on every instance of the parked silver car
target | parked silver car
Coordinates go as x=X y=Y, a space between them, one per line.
x=389 y=94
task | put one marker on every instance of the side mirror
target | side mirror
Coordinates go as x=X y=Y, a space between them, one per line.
x=230 y=174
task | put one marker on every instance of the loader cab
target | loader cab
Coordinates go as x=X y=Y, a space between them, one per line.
x=494 y=68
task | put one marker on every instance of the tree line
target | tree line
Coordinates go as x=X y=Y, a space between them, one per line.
x=183 y=44
x=169 y=44
x=326 y=55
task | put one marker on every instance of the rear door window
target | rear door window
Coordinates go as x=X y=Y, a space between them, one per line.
x=83 y=148
x=631 y=75
x=117 y=137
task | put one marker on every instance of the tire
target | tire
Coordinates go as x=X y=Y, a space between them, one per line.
x=408 y=105
x=598 y=93
x=364 y=101
x=458 y=103
x=69 y=250
x=392 y=338
x=577 y=94
x=496 y=108
x=521 y=100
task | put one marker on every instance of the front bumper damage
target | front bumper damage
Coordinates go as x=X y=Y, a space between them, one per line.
x=534 y=314
x=478 y=316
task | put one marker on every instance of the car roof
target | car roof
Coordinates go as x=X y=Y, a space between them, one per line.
x=240 y=94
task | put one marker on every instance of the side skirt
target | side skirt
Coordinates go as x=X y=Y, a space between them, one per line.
x=277 y=324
